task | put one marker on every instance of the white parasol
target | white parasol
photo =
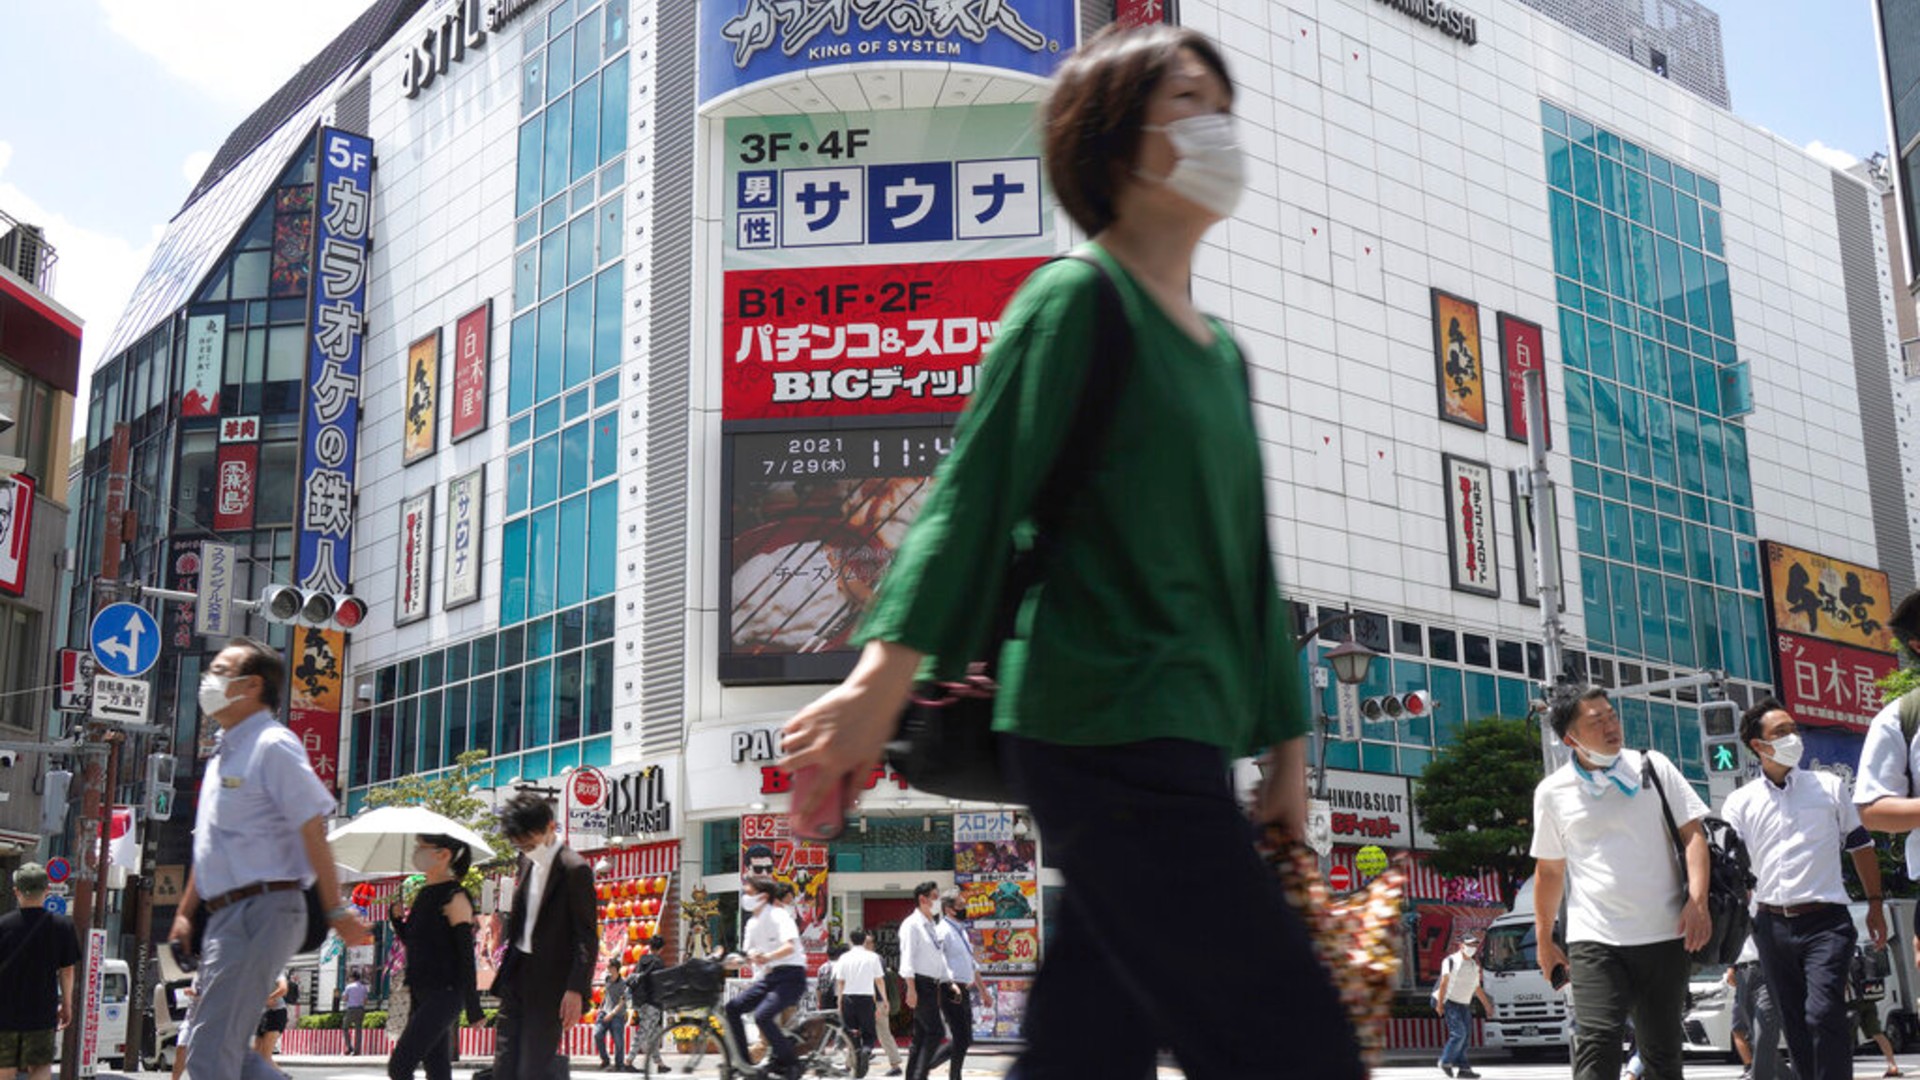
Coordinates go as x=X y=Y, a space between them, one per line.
x=380 y=842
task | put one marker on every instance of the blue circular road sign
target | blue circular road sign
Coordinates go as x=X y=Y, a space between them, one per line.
x=56 y=905
x=125 y=640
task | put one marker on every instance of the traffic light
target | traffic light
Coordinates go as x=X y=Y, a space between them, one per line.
x=53 y=802
x=1720 y=731
x=1411 y=705
x=1723 y=757
x=160 y=770
x=285 y=604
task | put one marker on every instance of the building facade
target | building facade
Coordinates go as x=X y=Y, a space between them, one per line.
x=657 y=316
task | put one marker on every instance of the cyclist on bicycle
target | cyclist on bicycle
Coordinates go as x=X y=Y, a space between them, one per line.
x=772 y=943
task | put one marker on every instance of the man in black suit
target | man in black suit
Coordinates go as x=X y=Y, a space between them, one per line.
x=553 y=943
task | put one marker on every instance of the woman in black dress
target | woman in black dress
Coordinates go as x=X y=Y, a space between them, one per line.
x=438 y=934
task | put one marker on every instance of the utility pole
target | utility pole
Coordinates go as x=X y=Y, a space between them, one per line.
x=1537 y=486
x=89 y=894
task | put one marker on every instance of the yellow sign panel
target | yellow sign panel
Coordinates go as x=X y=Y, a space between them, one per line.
x=1370 y=861
x=1827 y=598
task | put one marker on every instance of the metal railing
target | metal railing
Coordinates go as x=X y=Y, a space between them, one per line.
x=25 y=251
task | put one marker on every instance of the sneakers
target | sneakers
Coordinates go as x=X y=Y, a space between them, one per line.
x=1465 y=1072
x=1445 y=1068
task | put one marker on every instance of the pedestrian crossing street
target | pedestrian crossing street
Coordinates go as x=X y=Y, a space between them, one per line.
x=1697 y=1068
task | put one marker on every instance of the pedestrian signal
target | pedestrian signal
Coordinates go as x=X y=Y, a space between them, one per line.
x=1721 y=757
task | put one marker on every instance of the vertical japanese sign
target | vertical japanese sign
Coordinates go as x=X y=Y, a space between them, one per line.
x=213 y=614
x=1469 y=495
x=472 y=359
x=1522 y=349
x=236 y=477
x=206 y=352
x=92 y=992
x=16 y=531
x=412 y=559
x=1458 y=360
x=466 y=498
x=768 y=848
x=313 y=711
x=1831 y=640
x=177 y=617
x=419 y=434
x=330 y=413
x=994 y=870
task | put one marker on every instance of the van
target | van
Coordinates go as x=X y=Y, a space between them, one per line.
x=115 y=985
x=1709 y=1020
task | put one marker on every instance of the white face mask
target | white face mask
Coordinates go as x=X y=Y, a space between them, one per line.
x=213 y=692
x=1470 y=950
x=752 y=901
x=1787 y=750
x=1211 y=170
x=1596 y=758
x=425 y=859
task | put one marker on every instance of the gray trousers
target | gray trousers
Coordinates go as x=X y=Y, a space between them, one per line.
x=1612 y=981
x=246 y=948
x=1756 y=1016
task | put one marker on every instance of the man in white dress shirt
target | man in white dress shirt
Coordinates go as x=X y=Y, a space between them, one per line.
x=1795 y=824
x=924 y=970
x=860 y=980
x=1632 y=914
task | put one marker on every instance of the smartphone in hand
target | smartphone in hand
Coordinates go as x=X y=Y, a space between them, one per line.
x=828 y=818
x=1559 y=976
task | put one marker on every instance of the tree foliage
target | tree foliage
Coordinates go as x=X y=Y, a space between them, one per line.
x=450 y=794
x=1476 y=798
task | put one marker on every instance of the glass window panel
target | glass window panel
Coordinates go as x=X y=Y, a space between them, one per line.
x=554 y=161
x=517 y=467
x=1713 y=457
x=1617 y=246
x=1644 y=252
x=1687 y=216
x=1449 y=715
x=1725 y=571
x=1639 y=203
x=512 y=645
x=1673 y=300
x=1653 y=616
x=1579 y=416
x=607 y=390
x=1593 y=591
x=1482 y=696
x=542 y=556
x=1646 y=539
x=538 y=719
x=1553 y=117
x=1559 y=161
x=1754 y=628
x=1573 y=339
x=1612 y=183
x=1663 y=216
x=1693 y=276
x=479 y=731
x=1600 y=349
x=1686 y=424
x=1616 y=520
x=432 y=741
x=579 y=355
x=585 y=155
x=483 y=654
x=573 y=459
x=1739 y=479
x=1590 y=529
x=546 y=471
x=572 y=582
x=597 y=690
x=611 y=221
x=606 y=320
x=1733 y=645
x=1653 y=366
x=1579 y=130
x=576 y=405
x=606 y=445
x=1626 y=624
x=456 y=663
x=546 y=418
x=1633 y=433
x=603 y=534
x=586 y=47
x=1699 y=552
x=521 y=359
x=533 y=85
x=616 y=26
x=513 y=573
x=1680 y=375
x=567 y=697
x=1660 y=440
x=1586 y=176
x=613 y=109
x=1588 y=220
x=1671 y=536
x=550 y=368
x=599 y=620
x=527 y=185
x=1719 y=515
x=1606 y=424
x=1513 y=697
x=508 y=713
x=1566 y=237
x=1748 y=558
x=1719 y=300
x=1626 y=358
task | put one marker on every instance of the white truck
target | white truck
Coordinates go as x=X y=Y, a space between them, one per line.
x=1709 y=1020
x=1529 y=1016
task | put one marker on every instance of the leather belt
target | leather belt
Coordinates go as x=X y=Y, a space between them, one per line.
x=248 y=892
x=1791 y=911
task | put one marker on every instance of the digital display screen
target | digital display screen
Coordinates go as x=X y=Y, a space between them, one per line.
x=813 y=519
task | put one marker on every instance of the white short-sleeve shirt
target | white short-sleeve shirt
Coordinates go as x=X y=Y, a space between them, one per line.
x=1794 y=834
x=1625 y=885
x=1888 y=764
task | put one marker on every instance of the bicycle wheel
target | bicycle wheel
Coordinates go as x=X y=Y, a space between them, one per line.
x=834 y=1055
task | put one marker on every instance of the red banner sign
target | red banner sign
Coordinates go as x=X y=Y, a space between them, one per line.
x=236 y=474
x=1140 y=12
x=1828 y=685
x=472 y=347
x=1521 y=350
x=860 y=340
x=316 y=685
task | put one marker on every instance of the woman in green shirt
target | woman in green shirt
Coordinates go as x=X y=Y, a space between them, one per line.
x=1155 y=648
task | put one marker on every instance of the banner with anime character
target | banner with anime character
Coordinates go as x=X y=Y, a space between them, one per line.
x=768 y=849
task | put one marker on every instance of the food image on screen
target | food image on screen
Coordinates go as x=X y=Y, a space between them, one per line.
x=816 y=519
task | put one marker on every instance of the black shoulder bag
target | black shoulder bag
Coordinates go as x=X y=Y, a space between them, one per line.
x=945 y=743
x=1729 y=877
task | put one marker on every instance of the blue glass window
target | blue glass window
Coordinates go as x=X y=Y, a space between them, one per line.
x=1593 y=589
x=513 y=571
x=606 y=445
x=1566 y=238
x=1559 y=161
x=581 y=233
x=520 y=363
x=546 y=472
x=603 y=534
x=586 y=129
x=559 y=66
x=572 y=583
x=573 y=460
x=552 y=354
x=517 y=471
x=586 y=47
x=527 y=183
x=542 y=561
x=606 y=320
x=538 y=720
x=613 y=109
x=579 y=362
x=553 y=263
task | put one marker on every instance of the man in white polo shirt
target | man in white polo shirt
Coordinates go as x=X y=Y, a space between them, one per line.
x=1795 y=823
x=861 y=979
x=1632 y=916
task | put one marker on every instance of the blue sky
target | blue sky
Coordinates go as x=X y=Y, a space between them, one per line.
x=134 y=96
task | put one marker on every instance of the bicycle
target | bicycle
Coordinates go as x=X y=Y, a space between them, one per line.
x=693 y=993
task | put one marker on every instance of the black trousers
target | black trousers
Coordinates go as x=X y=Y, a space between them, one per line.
x=956 y=1005
x=428 y=1039
x=526 y=1033
x=1114 y=986
x=858 y=1012
x=929 y=1027
x=1611 y=981
x=1806 y=959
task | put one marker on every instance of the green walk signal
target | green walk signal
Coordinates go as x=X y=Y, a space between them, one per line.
x=1721 y=758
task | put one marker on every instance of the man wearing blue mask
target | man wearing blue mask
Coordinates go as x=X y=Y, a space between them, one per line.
x=1795 y=823
x=1632 y=913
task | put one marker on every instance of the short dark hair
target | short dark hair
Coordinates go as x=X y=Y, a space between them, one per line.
x=613 y=969
x=1566 y=707
x=1905 y=619
x=858 y=937
x=265 y=661
x=462 y=854
x=757 y=851
x=762 y=884
x=656 y=943
x=782 y=890
x=525 y=814
x=926 y=888
x=1096 y=109
x=1754 y=720
x=836 y=950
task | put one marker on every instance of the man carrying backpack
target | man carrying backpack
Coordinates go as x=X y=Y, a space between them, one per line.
x=1883 y=789
x=1795 y=823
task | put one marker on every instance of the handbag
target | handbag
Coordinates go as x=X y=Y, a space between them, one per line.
x=1729 y=878
x=945 y=743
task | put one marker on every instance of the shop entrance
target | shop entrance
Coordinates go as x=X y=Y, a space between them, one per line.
x=881 y=916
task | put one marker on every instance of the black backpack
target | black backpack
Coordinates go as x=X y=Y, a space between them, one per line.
x=293 y=992
x=1730 y=878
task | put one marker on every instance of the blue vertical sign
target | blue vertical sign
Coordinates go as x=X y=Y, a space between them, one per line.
x=330 y=414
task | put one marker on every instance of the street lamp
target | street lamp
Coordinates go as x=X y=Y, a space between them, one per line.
x=1350 y=661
